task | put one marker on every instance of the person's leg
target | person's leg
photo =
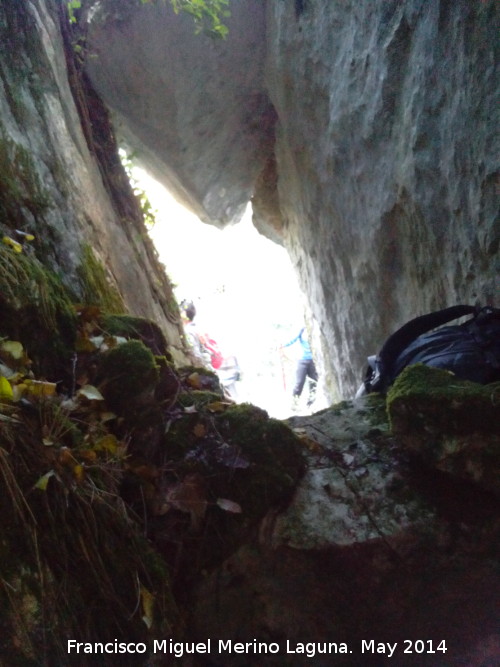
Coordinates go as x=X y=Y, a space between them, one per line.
x=313 y=381
x=311 y=371
x=231 y=390
x=302 y=367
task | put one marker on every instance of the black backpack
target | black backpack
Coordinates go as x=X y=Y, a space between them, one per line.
x=470 y=350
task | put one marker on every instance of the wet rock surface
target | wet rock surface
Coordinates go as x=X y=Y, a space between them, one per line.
x=375 y=544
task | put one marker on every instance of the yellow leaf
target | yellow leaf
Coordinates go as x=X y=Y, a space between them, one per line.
x=79 y=473
x=65 y=456
x=26 y=236
x=6 y=393
x=87 y=455
x=44 y=480
x=194 y=380
x=200 y=430
x=84 y=344
x=108 y=443
x=16 y=247
x=40 y=389
x=148 y=601
x=14 y=378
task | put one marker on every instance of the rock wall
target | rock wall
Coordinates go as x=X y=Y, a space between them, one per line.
x=61 y=179
x=193 y=109
x=383 y=183
x=393 y=530
x=387 y=161
x=376 y=543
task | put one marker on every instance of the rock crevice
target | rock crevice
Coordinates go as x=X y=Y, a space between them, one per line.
x=378 y=171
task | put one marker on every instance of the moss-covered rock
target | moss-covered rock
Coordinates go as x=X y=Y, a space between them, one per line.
x=248 y=457
x=137 y=328
x=74 y=563
x=451 y=424
x=126 y=374
x=37 y=310
x=95 y=284
x=228 y=466
x=200 y=378
x=198 y=399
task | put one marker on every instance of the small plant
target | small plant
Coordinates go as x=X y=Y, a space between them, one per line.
x=72 y=5
x=26 y=283
x=207 y=14
x=148 y=212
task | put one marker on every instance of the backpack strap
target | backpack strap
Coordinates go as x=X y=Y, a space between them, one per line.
x=485 y=328
x=401 y=338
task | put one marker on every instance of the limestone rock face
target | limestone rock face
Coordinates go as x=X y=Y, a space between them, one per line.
x=383 y=184
x=193 y=109
x=375 y=543
x=55 y=181
x=387 y=161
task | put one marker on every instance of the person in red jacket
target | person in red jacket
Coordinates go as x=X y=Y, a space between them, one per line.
x=207 y=351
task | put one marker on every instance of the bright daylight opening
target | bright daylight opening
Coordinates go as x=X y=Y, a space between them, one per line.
x=246 y=296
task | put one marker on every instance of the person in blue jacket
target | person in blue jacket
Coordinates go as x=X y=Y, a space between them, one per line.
x=305 y=368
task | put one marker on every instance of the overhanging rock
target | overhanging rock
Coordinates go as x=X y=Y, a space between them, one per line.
x=375 y=163
x=192 y=108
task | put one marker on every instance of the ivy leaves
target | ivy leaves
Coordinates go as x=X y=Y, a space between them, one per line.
x=72 y=5
x=207 y=14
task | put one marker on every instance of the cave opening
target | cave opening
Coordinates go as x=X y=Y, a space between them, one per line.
x=246 y=296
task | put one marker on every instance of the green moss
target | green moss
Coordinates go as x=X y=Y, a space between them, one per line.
x=241 y=455
x=448 y=423
x=200 y=399
x=72 y=554
x=25 y=282
x=274 y=452
x=96 y=288
x=20 y=186
x=126 y=373
x=377 y=412
x=138 y=328
x=123 y=325
x=422 y=396
x=37 y=310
